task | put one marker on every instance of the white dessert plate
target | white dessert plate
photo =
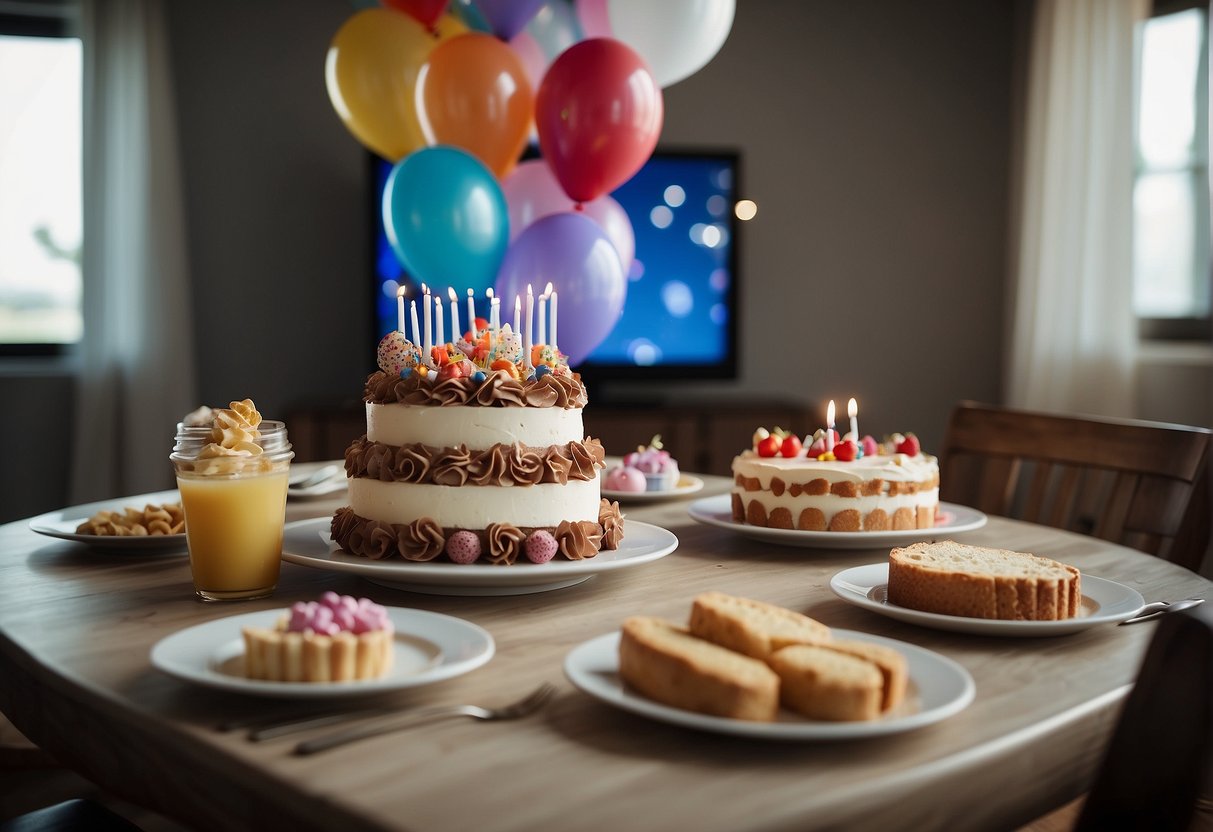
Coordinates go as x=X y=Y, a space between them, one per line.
x=950 y=519
x=938 y=688
x=687 y=484
x=307 y=542
x=429 y=647
x=306 y=488
x=63 y=523
x=1103 y=602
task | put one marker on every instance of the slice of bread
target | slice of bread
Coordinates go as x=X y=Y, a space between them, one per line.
x=891 y=664
x=751 y=627
x=822 y=683
x=666 y=663
x=956 y=579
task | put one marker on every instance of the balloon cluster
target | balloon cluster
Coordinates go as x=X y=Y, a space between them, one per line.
x=450 y=91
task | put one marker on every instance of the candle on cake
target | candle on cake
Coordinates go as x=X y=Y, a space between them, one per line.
x=441 y=328
x=830 y=427
x=554 y=348
x=541 y=325
x=413 y=316
x=427 y=344
x=853 y=412
x=472 y=315
x=400 y=292
x=529 y=340
x=456 y=332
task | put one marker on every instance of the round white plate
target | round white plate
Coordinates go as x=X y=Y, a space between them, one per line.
x=308 y=543
x=429 y=647
x=939 y=688
x=687 y=484
x=951 y=519
x=63 y=523
x=1103 y=602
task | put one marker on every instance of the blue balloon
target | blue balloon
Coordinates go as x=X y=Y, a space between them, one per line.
x=446 y=218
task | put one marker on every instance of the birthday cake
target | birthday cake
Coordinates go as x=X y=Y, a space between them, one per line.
x=832 y=483
x=476 y=454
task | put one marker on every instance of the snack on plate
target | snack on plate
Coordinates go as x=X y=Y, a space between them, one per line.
x=666 y=663
x=132 y=522
x=953 y=578
x=474 y=452
x=837 y=484
x=336 y=639
x=645 y=469
x=712 y=667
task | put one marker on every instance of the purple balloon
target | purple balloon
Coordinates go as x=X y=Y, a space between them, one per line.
x=508 y=17
x=531 y=191
x=572 y=253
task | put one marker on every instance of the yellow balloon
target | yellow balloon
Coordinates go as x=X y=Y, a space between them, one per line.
x=371 y=75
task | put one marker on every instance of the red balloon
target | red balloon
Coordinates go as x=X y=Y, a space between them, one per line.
x=598 y=113
x=425 y=11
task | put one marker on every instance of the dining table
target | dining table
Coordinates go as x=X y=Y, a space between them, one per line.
x=78 y=625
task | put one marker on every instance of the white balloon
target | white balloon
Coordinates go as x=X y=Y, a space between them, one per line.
x=676 y=38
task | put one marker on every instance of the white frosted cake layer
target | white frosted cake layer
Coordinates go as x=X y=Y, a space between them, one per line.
x=476 y=427
x=473 y=507
x=891 y=468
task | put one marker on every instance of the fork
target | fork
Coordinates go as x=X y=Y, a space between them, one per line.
x=528 y=704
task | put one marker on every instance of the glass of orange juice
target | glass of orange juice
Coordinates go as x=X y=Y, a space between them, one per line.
x=235 y=508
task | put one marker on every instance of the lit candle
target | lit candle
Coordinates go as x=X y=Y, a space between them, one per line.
x=416 y=329
x=427 y=344
x=830 y=426
x=853 y=412
x=472 y=315
x=400 y=291
x=456 y=332
x=441 y=339
x=529 y=340
x=553 y=322
x=542 y=325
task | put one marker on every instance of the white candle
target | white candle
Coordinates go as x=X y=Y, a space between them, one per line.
x=853 y=412
x=427 y=344
x=416 y=329
x=554 y=322
x=400 y=309
x=494 y=313
x=456 y=330
x=441 y=339
x=830 y=426
x=542 y=323
x=472 y=315
x=517 y=313
x=529 y=340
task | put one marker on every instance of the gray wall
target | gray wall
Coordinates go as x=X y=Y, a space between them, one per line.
x=876 y=141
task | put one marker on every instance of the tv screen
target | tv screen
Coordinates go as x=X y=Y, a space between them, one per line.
x=679 y=316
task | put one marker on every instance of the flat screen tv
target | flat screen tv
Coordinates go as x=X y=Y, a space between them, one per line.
x=680 y=315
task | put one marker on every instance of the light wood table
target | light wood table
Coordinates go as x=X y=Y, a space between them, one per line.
x=76 y=627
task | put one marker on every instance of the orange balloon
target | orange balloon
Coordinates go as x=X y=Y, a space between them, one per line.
x=371 y=74
x=473 y=93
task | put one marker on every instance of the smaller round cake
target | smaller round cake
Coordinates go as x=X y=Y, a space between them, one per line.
x=840 y=486
x=645 y=469
x=336 y=639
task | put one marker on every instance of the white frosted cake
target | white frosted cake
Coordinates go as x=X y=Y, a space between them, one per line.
x=481 y=459
x=811 y=490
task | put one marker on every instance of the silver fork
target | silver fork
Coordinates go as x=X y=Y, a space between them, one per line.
x=530 y=703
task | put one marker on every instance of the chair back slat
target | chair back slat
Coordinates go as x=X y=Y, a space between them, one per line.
x=1129 y=481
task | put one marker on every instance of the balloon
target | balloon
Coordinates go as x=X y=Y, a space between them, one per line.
x=676 y=37
x=533 y=60
x=555 y=27
x=473 y=93
x=508 y=17
x=371 y=72
x=598 y=113
x=426 y=12
x=446 y=218
x=531 y=192
x=573 y=253
x=469 y=15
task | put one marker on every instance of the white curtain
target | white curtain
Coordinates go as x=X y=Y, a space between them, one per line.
x=137 y=367
x=1073 y=333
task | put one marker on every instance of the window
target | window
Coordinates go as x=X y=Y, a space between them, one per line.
x=1171 y=192
x=41 y=227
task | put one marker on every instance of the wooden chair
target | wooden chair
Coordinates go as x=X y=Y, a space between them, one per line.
x=1141 y=484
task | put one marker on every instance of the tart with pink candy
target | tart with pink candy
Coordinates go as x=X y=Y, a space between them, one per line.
x=474 y=451
x=336 y=639
x=828 y=482
x=645 y=469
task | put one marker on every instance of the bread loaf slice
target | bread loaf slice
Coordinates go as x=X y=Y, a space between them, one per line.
x=752 y=627
x=828 y=684
x=666 y=663
x=891 y=664
x=956 y=579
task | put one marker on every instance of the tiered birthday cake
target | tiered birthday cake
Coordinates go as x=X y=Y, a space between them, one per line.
x=832 y=483
x=476 y=454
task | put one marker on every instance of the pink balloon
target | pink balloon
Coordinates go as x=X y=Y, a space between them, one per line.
x=532 y=192
x=595 y=18
x=599 y=112
x=534 y=62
